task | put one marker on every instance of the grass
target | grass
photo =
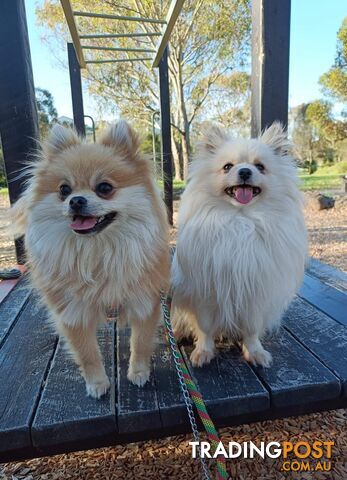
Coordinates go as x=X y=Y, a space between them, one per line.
x=327 y=177
x=3 y=191
x=176 y=184
x=317 y=181
x=339 y=168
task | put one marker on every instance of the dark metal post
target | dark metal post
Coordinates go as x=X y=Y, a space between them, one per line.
x=76 y=90
x=18 y=115
x=270 y=62
x=166 y=132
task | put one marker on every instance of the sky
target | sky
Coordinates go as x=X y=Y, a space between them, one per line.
x=314 y=25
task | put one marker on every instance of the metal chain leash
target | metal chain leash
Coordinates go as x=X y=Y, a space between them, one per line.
x=186 y=396
x=191 y=394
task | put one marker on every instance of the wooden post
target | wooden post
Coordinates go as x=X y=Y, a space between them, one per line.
x=166 y=132
x=18 y=115
x=270 y=62
x=76 y=90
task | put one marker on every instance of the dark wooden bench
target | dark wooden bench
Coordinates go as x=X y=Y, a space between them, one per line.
x=44 y=409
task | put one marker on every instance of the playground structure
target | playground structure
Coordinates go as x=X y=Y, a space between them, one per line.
x=43 y=406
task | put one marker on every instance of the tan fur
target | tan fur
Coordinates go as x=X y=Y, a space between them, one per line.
x=126 y=264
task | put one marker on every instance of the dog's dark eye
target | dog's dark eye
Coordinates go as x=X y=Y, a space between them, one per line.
x=103 y=189
x=227 y=167
x=65 y=191
x=260 y=167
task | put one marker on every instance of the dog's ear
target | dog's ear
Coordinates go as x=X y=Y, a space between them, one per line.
x=123 y=138
x=213 y=137
x=59 y=139
x=276 y=137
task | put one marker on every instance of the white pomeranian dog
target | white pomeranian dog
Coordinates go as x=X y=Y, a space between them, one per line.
x=96 y=236
x=242 y=243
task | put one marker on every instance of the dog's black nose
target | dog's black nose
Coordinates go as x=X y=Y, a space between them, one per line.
x=77 y=203
x=245 y=174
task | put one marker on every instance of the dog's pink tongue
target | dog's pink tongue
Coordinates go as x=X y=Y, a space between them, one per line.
x=83 y=223
x=243 y=194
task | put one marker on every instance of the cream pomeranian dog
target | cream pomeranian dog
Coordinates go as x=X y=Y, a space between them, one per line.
x=241 y=245
x=96 y=236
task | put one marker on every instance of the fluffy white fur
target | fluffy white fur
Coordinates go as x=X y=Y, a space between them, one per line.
x=237 y=266
x=80 y=276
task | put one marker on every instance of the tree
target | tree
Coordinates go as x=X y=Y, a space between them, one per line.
x=46 y=111
x=331 y=130
x=210 y=39
x=318 y=132
x=303 y=137
x=230 y=102
x=334 y=81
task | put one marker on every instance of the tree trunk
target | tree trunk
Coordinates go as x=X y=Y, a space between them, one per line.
x=186 y=126
x=185 y=153
x=176 y=159
x=311 y=159
x=181 y=109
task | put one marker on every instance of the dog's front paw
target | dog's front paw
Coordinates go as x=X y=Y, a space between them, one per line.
x=138 y=374
x=258 y=356
x=200 y=357
x=97 y=387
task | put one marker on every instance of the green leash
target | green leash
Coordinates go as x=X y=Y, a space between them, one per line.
x=189 y=387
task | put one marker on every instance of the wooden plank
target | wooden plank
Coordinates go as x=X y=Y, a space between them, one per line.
x=243 y=385
x=76 y=90
x=118 y=60
x=137 y=408
x=171 y=17
x=121 y=35
x=327 y=274
x=329 y=300
x=18 y=115
x=117 y=49
x=270 y=63
x=24 y=359
x=70 y=20
x=12 y=306
x=119 y=17
x=264 y=415
x=323 y=336
x=296 y=377
x=228 y=384
x=170 y=398
x=66 y=416
x=274 y=413
x=5 y=288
